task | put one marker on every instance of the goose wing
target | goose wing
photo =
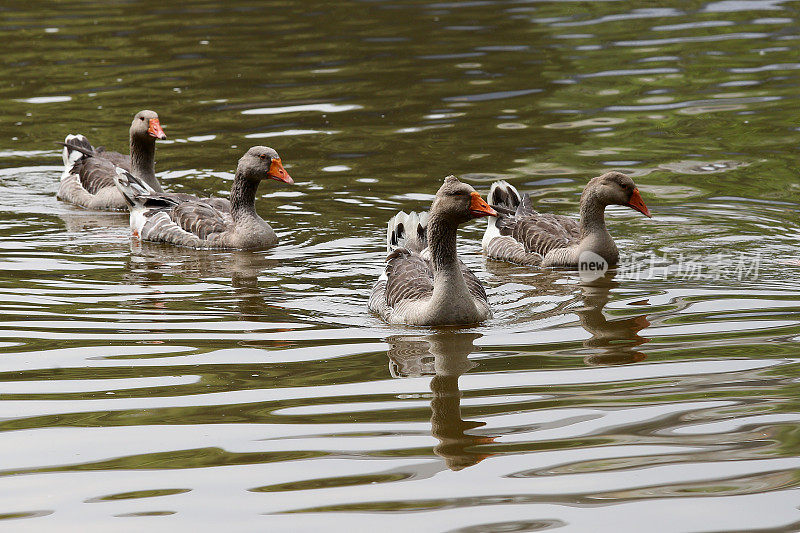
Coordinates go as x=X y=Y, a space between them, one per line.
x=199 y=218
x=177 y=218
x=164 y=218
x=540 y=232
x=474 y=285
x=95 y=173
x=408 y=277
x=95 y=167
x=522 y=235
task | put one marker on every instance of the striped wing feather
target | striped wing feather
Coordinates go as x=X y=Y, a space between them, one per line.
x=199 y=218
x=97 y=171
x=410 y=277
x=540 y=233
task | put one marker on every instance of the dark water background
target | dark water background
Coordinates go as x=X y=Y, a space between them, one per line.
x=143 y=386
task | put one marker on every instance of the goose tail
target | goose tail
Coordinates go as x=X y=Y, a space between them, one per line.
x=132 y=188
x=138 y=195
x=506 y=200
x=525 y=206
x=76 y=149
x=503 y=194
x=407 y=230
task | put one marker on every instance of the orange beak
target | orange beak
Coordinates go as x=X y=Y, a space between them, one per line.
x=637 y=203
x=155 y=129
x=478 y=208
x=277 y=172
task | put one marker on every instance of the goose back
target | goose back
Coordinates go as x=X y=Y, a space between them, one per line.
x=408 y=279
x=524 y=236
x=406 y=291
x=186 y=220
x=88 y=177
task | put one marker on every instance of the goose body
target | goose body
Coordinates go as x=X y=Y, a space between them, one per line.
x=424 y=282
x=521 y=235
x=88 y=177
x=215 y=223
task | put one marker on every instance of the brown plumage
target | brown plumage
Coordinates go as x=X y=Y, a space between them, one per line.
x=185 y=220
x=409 y=276
x=522 y=235
x=424 y=282
x=88 y=177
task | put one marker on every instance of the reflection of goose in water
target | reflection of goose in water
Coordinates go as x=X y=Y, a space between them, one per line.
x=546 y=296
x=444 y=356
x=154 y=263
x=616 y=339
x=113 y=224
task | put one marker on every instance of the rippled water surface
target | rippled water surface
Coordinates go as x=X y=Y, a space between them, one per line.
x=144 y=386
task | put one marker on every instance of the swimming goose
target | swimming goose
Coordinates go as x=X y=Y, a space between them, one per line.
x=88 y=177
x=523 y=236
x=185 y=220
x=424 y=282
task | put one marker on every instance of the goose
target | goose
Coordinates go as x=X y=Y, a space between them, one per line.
x=210 y=223
x=424 y=282
x=88 y=177
x=522 y=235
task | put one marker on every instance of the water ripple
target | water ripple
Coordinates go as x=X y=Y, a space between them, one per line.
x=143 y=384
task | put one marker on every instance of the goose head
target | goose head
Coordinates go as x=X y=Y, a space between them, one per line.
x=459 y=202
x=615 y=188
x=146 y=125
x=261 y=163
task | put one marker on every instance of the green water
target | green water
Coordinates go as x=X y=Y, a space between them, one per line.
x=143 y=386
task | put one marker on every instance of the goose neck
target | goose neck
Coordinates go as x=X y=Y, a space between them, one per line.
x=442 y=244
x=594 y=234
x=243 y=197
x=451 y=301
x=143 y=163
x=593 y=220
